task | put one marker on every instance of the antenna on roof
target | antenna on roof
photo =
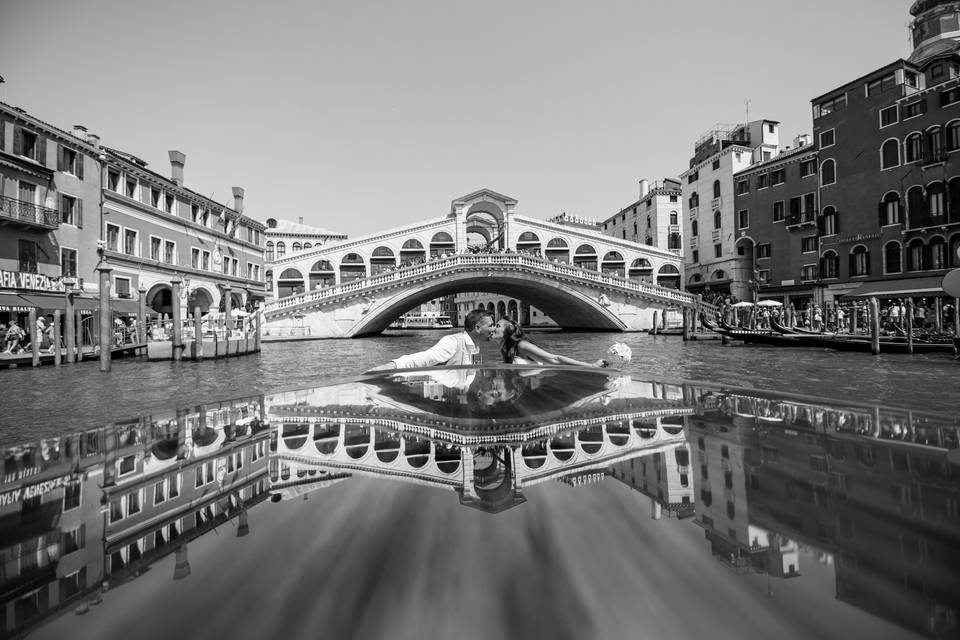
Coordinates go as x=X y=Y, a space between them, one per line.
x=746 y=104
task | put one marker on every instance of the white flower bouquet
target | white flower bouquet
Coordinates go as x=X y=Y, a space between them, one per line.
x=619 y=355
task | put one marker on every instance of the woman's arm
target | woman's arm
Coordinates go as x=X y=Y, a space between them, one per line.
x=536 y=353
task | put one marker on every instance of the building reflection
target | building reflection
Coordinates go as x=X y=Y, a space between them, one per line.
x=773 y=482
x=86 y=512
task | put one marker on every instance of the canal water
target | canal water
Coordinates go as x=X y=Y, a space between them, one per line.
x=795 y=507
x=46 y=401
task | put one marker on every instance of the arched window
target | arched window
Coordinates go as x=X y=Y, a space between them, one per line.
x=268 y=278
x=694 y=200
x=828 y=223
x=830 y=265
x=716 y=220
x=289 y=283
x=937 y=249
x=673 y=217
x=268 y=253
x=296 y=246
x=642 y=270
x=307 y=245
x=953 y=136
x=322 y=275
x=828 y=172
x=953 y=200
x=916 y=208
x=382 y=259
x=585 y=257
x=411 y=252
x=352 y=267
x=913 y=147
x=892 y=257
x=694 y=228
x=954 y=254
x=668 y=276
x=695 y=278
x=673 y=241
x=890 y=154
x=859 y=261
x=528 y=242
x=281 y=249
x=916 y=256
x=889 y=211
x=936 y=205
x=441 y=243
x=613 y=264
x=933 y=139
x=719 y=274
x=558 y=251
x=716 y=188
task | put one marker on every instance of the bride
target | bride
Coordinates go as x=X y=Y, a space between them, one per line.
x=517 y=349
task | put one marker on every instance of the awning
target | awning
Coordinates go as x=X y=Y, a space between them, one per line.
x=52 y=302
x=45 y=301
x=927 y=285
x=13 y=302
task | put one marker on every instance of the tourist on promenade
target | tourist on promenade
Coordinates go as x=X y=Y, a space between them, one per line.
x=518 y=349
x=453 y=349
x=12 y=338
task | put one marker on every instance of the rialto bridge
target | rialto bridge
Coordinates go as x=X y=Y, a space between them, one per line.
x=579 y=277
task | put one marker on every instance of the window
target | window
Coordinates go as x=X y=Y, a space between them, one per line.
x=281 y=249
x=716 y=188
x=130 y=187
x=70 y=161
x=122 y=285
x=168 y=203
x=878 y=86
x=827 y=107
x=693 y=177
x=951 y=96
x=808 y=167
x=860 y=261
x=71 y=496
x=778 y=211
x=888 y=116
x=156 y=245
x=68 y=262
x=70 y=210
x=694 y=228
x=155 y=198
x=763 y=250
x=935 y=201
x=194 y=213
x=743 y=219
x=761 y=181
x=743 y=186
x=716 y=164
x=28 y=192
x=205 y=260
x=827 y=138
x=830 y=265
x=808 y=244
x=916 y=258
x=890 y=209
x=717 y=251
x=890 y=154
x=808 y=272
x=892 y=258
x=695 y=256
x=777 y=177
x=130 y=244
x=716 y=220
x=828 y=172
x=30 y=145
x=673 y=217
x=828 y=223
x=268 y=253
x=113 y=237
x=913 y=147
x=113 y=181
x=914 y=109
x=169 y=252
x=195 y=257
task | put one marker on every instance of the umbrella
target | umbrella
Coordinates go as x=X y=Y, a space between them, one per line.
x=769 y=303
x=741 y=304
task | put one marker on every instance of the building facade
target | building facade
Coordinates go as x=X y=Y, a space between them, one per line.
x=654 y=219
x=285 y=237
x=712 y=264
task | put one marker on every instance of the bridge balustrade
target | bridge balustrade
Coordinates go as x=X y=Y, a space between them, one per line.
x=484 y=260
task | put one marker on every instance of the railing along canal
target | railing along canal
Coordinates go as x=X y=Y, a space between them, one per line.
x=485 y=260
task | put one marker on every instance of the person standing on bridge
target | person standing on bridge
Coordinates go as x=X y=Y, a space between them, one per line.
x=453 y=349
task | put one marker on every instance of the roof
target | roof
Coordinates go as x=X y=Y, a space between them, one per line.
x=287 y=226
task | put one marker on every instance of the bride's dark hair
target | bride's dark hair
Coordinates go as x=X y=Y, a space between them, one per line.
x=512 y=336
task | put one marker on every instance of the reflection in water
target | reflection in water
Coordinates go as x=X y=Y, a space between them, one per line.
x=865 y=490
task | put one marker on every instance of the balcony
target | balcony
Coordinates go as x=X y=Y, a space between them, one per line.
x=800 y=220
x=694 y=243
x=715 y=204
x=933 y=158
x=27 y=214
x=693 y=212
x=673 y=228
x=715 y=236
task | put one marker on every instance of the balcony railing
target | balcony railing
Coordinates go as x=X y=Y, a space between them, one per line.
x=933 y=157
x=715 y=204
x=715 y=236
x=673 y=228
x=694 y=243
x=28 y=213
x=693 y=212
x=801 y=219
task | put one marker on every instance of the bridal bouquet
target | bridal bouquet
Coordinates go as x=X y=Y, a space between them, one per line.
x=620 y=354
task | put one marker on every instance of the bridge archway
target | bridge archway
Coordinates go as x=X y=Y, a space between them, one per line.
x=290 y=283
x=160 y=298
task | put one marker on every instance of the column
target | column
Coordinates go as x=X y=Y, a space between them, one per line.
x=176 y=346
x=228 y=308
x=71 y=327
x=142 y=315
x=106 y=320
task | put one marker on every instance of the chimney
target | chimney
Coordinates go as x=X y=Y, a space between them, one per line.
x=238 y=199
x=644 y=188
x=801 y=140
x=300 y=219
x=177 y=160
x=93 y=139
x=80 y=131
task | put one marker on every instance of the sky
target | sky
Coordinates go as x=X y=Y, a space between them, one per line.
x=362 y=116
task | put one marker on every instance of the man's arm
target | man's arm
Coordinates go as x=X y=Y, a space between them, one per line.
x=439 y=353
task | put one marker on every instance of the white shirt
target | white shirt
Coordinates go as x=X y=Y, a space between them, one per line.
x=452 y=349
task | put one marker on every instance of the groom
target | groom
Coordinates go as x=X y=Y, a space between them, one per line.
x=452 y=349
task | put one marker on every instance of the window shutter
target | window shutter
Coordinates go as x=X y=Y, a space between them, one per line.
x=882 y=213
x=866 y=259
x=836 y=221
x=60 y=206
x=852 y=264
x=18 y=141
x=79 y=214
x=41 y=150
x=822 y=266
x=80 y=159
x=820 y=224
x=2 y=127
x=923 y=106
x=60 y=158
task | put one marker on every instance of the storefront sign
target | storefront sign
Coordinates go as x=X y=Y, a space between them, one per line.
x=23 y=280
x=34 y=490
